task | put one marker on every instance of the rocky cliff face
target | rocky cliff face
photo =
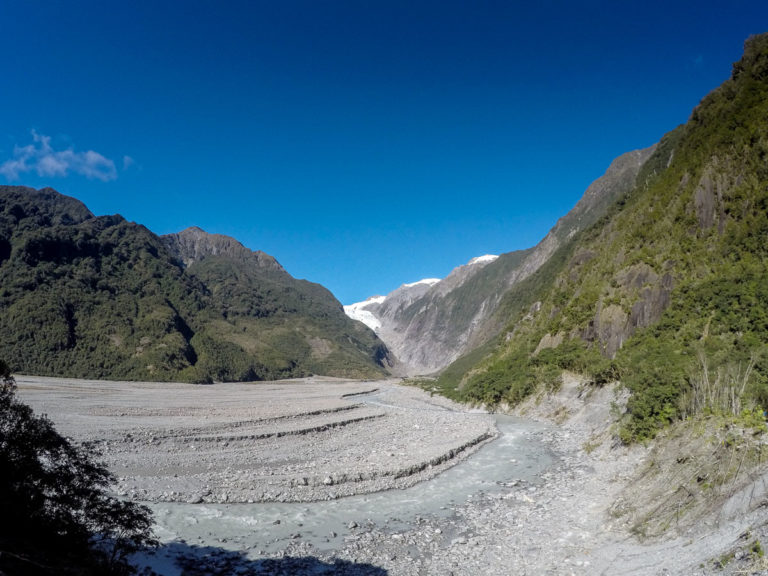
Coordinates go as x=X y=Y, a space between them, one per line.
x=194 y=244
x=430 y=324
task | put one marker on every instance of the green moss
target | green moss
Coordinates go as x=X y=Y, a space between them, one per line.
x=756 y=549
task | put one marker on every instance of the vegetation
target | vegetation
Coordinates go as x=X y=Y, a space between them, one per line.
x=101 y=297
x=667 y=292
x=58 y=516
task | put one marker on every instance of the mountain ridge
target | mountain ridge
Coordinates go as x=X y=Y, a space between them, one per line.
x=430 y=328
x=194 y=244
x=89 y=296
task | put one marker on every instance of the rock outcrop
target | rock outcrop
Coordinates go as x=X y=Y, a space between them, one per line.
x=194 y=244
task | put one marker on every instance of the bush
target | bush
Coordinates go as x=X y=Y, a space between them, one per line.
x=58 y=517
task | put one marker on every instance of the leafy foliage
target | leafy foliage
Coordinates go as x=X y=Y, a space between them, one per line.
x=58 y=517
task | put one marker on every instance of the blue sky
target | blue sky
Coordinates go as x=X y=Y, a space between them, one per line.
x=363 y=144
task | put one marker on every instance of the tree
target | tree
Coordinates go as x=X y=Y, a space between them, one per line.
x=57 y=514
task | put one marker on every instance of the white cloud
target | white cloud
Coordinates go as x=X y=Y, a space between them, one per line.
x=128 y=162
x=40 y=157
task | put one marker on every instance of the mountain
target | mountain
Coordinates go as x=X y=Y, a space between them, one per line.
x=384 y=315
x=371 y=311
x=273 y=315
x=667 y=291
x=194 y=244
x=429 y=325
x=102 y=297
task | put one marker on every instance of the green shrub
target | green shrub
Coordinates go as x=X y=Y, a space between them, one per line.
x=58 y=514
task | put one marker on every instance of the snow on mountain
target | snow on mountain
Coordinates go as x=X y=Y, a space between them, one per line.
x=486 y=259
x=370 y=311
x=357 y=311
x=367 y=312
x=427 y=281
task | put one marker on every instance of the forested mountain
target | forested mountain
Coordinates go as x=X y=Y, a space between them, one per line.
x=428 y=326
x=102 y=297
x=668 y=291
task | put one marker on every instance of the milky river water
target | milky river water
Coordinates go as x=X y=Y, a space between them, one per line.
x=265 y=527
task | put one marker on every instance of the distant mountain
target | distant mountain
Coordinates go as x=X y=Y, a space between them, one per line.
x=666 y=291
x=102 y=297
x=429 y=325
x=385 y=314
x=370 y=311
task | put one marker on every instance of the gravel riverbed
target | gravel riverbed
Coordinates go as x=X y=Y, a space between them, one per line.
x=303 y=440
x=201 y=453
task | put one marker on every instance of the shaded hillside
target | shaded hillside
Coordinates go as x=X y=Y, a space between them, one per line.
x=102 y=297
x=668 y=291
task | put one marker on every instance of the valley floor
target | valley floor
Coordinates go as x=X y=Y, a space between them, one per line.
x=195 y=448
x=291 y=441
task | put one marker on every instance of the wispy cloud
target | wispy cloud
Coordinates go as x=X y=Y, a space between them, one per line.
x=41 y=158
x=128 y=162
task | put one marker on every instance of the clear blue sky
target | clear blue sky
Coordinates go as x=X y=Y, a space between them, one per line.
x=363 y=144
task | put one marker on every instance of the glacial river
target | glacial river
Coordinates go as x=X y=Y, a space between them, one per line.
x=265 y=527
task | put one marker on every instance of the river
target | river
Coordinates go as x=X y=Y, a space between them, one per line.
x=264 y=528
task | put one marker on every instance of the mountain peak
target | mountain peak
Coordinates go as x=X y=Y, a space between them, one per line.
x=194 y=244
x=45 y=205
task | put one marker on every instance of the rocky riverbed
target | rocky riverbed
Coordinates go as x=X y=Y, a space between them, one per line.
x=557 y=519
x=293 y=441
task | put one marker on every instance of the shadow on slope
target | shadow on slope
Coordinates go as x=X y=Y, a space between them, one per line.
x=191 y=560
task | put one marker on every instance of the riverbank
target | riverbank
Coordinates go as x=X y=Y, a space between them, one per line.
x=527 y=516
x=568 y=524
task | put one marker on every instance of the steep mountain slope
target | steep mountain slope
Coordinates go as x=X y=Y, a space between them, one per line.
x=668 y=291
x=374 y=308
x=101 y=297
x=272 y=315
x=402 y=319
x=429 y=329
